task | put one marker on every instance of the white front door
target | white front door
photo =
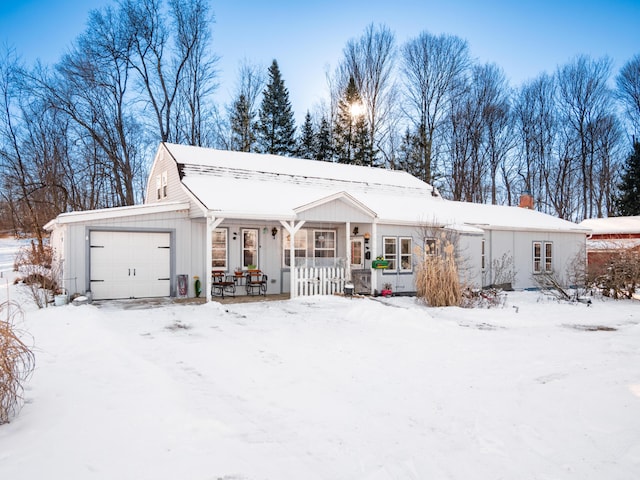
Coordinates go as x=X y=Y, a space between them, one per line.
x=130 y=264
x=357 y=253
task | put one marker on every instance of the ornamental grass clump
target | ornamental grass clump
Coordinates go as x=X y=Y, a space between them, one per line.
x=17 y=361
x=438 y=283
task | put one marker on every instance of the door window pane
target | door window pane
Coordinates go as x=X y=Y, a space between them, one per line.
x=249 y=248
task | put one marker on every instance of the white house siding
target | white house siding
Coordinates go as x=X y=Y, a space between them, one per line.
x=176 y=192
x=74 y=238
x=519 y=246
x=336 y=211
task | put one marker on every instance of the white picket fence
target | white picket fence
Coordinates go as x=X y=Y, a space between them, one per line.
x=319 y=281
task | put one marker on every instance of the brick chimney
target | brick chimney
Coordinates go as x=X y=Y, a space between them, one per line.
x=526 y=201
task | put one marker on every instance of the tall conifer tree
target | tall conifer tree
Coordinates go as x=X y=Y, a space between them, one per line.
x=351 y=133
x=243 y=134
x=307 y=143
x=276 y=126
x=629 y=199
x=325 y=145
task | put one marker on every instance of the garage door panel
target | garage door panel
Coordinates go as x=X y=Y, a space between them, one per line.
x=130 y=264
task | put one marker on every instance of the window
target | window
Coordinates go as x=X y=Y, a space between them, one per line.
x=542 y=257
x=300 y=249
x=430 y=246
x=164 y=184
x=158 y=187
x=390 y=251
x=483 y=255
x=406 y=254
x=537 y=257
x=398 y=252
x=548 y=257
x=324 y=244
x=249 y=247
x=219 y=257
x=357 y=252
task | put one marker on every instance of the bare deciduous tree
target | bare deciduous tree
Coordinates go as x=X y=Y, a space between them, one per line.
x=628 y=83
x=369 y=60
x=434 y=69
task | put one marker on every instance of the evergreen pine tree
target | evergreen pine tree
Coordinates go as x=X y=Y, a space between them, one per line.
x=307 y=143
x=628 y=202
x=324 y=150
x=276 y=126
x=242 y=126
x=351 y=133
x=409 y=158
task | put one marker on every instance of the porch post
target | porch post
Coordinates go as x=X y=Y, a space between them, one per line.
x=292 y=228
x=374 y=254
x=212 y=224
x=348 y=250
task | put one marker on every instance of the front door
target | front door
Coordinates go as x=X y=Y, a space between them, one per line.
x=357 y=253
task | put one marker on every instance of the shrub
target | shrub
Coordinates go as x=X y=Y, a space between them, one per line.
x=618 y=274
x=35 y=265
x=16 y=361
x=438 y=283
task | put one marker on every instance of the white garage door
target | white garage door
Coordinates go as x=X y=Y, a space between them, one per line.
x=130 y=264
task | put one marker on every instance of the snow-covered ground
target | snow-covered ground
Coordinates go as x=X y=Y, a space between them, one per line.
x=329 y=388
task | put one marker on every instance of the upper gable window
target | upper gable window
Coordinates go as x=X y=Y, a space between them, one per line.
x=158 y=187
x=164 y=184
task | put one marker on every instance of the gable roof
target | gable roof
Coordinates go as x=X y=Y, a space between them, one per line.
x=250 y=185
x=613 y=225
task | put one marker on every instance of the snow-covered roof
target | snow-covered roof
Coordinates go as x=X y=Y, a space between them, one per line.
x=115 y=212
x=250 y=185
x=612 y=225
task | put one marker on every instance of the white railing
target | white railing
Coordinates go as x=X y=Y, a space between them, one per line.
x=319 y=280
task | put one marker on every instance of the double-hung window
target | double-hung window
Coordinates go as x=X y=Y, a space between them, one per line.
x=542 y=257
x=219 y=249
x=398 y=252
x=299 y=252
x=324 y=244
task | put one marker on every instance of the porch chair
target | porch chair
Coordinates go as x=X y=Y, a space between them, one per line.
x=220 y=284
x=256 y=283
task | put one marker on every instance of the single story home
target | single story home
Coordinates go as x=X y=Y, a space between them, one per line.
x=309 y=226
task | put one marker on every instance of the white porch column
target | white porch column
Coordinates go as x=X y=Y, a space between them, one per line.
x=348 y=250
x=292 y=228
x=374 y=254
x=212 y=224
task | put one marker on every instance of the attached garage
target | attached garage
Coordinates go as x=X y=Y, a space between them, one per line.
x=130 y=264
x=126 y=252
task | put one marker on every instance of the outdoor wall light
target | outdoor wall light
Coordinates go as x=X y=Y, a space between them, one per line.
x=367 y=236
x=274 y=232
x=355 y=231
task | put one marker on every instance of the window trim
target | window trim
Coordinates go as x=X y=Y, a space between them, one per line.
x=165 y=183
x=548 y=260
x=335 y=243
x=395 y=262
x=226 y=249
x=545 y=262
x=243 y=247
x=286 y=247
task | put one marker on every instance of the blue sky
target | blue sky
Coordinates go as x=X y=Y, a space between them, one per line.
x=525 y=38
